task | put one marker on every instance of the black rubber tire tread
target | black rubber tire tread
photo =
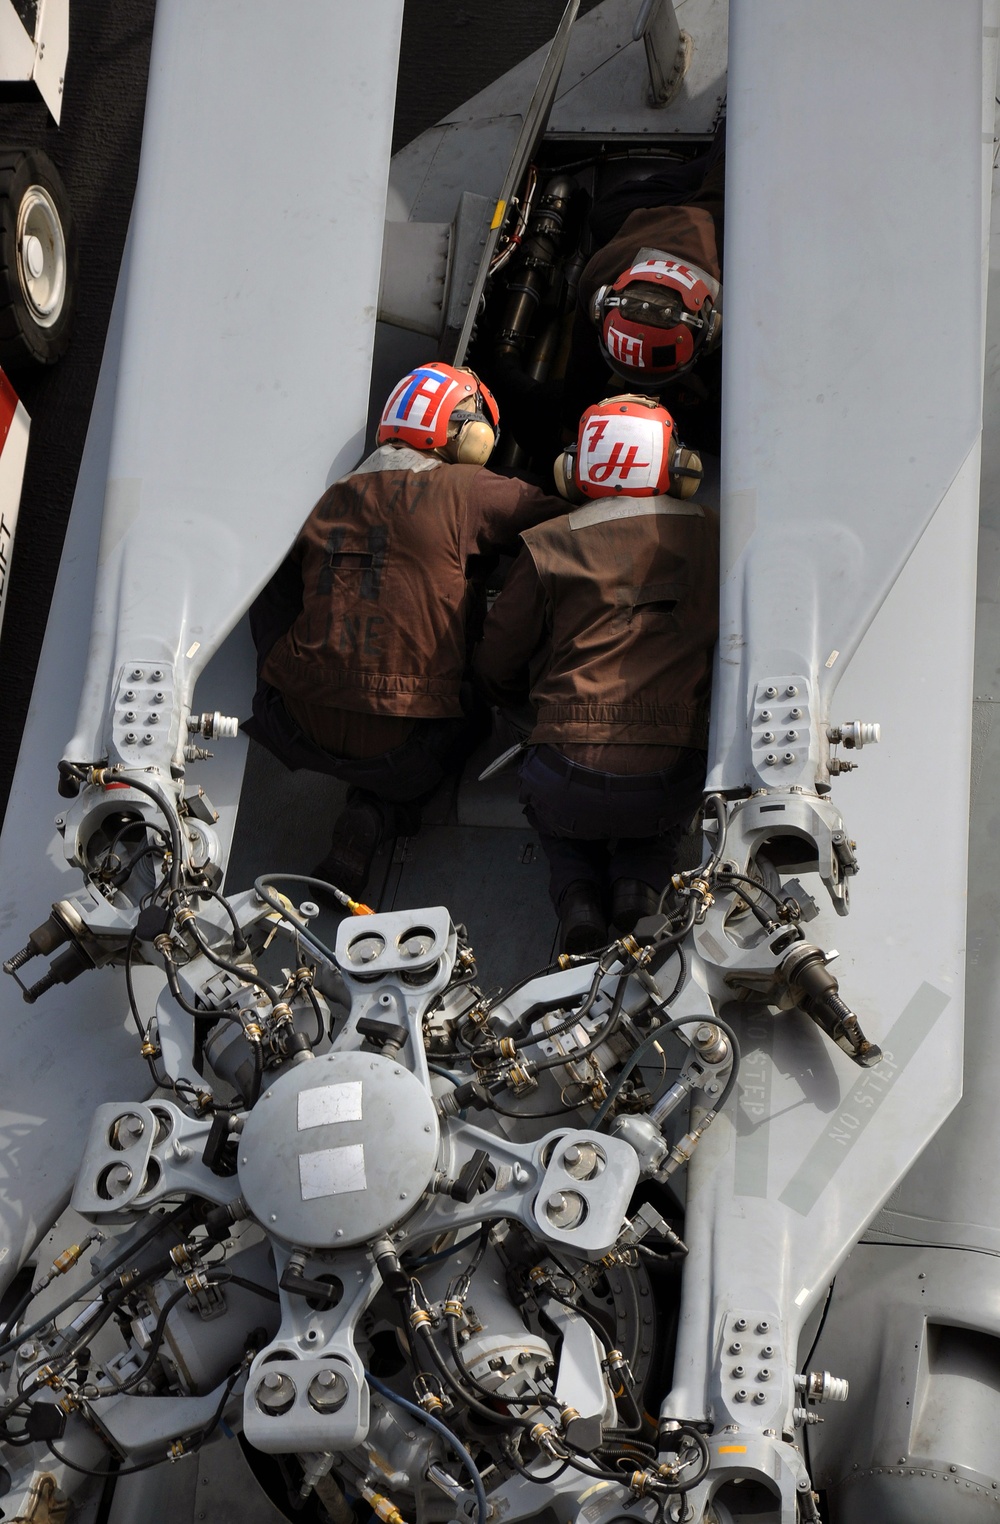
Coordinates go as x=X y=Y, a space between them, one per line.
x=23 y=342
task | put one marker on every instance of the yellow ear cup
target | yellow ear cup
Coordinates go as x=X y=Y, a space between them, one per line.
x=562 y=471
x=688 y=462
x=473 y=445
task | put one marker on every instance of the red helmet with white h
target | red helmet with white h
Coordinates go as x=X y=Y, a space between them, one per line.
x=421 y=412
x=627 y=447
x=657 y=318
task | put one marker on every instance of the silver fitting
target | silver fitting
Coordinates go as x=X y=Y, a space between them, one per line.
x=820 y=1386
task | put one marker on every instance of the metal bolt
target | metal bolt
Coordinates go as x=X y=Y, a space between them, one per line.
x=158 y=674
x=328 y=1391
x=795 y=714
x=128 y=695
x=764 y=1374
x=147 y=739
x=763 y=1326
x=742 y=1394
x=791 y=735
x=771 y=692
x=28 y=1351
x=129 y=715
x=791 y=690
x=131 y=738
x=739 y=1370
x=771 y=757
x=154 y=719
x=759 y=1397
x=137 y=675
x=735 y=1347
x=765 y=714
x=158 y=698
x=276 y=1393
x=768 y=735
x=740 y=1324
x=767 y=1352
x=789 y=756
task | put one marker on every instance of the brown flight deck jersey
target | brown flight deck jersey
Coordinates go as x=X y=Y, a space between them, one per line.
x=614 y=609
x=384 y=556
x=685 y=232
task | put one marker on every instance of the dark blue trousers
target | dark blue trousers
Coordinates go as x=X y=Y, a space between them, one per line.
x=599 y=827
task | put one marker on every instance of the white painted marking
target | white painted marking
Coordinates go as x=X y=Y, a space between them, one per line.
x=330 y=1103
x=332 y=1172
x=802 y=1296
x=192 y=649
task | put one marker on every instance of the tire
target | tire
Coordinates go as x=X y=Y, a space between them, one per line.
x=38 y=261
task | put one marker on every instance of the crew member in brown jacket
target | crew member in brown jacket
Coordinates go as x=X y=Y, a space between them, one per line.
x=362 y=634
x=609 y=618
x=648 y=308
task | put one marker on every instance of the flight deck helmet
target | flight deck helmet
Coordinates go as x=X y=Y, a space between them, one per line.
x=657 y=318
x=438 y=407
x=627 y=447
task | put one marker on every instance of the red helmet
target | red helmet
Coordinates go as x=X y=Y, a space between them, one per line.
x=420 y=409
x=657 y=318
x=627 y=447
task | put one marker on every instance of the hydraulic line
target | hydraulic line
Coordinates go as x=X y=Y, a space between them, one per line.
x=648 y=1042
x=443 y=1431
x=161 y=1220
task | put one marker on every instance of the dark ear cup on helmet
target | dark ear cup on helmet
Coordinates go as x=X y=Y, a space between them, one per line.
x=473 y=444
x=562 y=471
x=686 y=473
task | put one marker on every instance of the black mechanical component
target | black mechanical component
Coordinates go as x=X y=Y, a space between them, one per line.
x=818 y=993
x=219 y=1153
x=540 y=252
x=470 y=1177
x=62 y=970
x=384 y=1036
x=321 y=1294
x=45 y=1420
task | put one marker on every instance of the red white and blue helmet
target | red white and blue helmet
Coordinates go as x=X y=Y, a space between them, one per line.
x=627 y=447
x=656 y=318
x=420 y=406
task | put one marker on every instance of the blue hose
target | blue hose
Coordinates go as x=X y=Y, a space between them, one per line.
x=442 y=1429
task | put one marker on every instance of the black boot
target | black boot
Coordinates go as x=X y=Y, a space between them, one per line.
x=631 y=899
x=357 y=836
x=582 y=923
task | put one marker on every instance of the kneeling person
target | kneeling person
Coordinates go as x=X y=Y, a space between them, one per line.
x=608 y=619
x=362 y=632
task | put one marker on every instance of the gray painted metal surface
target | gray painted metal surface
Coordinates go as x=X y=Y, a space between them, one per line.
x=233 y=388
x=241 y=392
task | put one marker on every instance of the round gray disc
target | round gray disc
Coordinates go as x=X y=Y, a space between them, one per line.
x=337 y=1150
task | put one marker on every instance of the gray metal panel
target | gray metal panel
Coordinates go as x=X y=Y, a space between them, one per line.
x=51 y=1080
x=774 y=1205
x=852 y=352
x=240 y=383
x=604 y=87
x=248 y=344
x=949 y=1197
